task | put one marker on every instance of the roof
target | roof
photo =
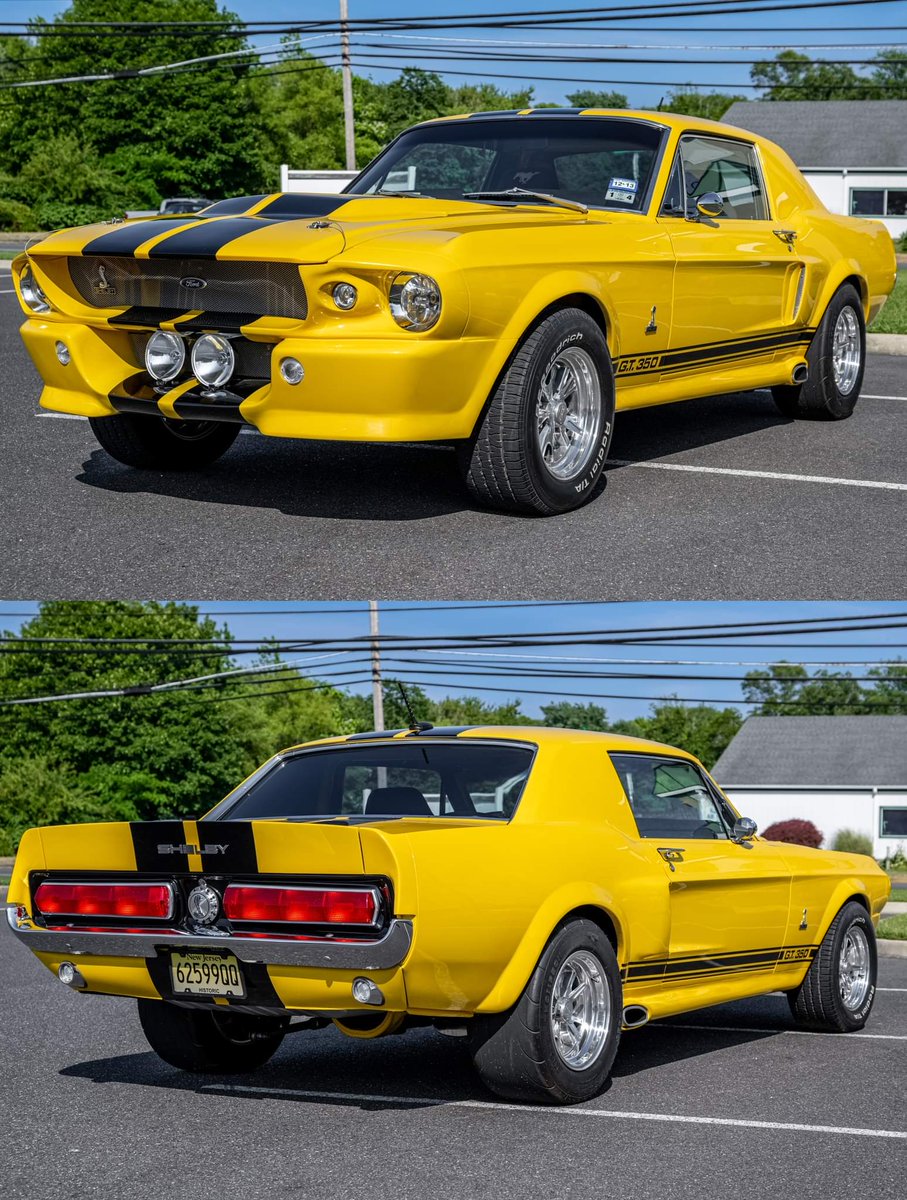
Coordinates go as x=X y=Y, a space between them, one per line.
x=829 y=133
x=816 y=751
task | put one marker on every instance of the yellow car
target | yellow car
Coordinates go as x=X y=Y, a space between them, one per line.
x=502 y=282
x=534 y=890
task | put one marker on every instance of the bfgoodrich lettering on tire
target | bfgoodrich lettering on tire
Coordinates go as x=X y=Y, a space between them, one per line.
x=840 y=985
x=543 y=440
x=557 y=1044
x=837 y=358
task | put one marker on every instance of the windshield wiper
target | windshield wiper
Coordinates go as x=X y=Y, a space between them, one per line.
x=399 y=192
x=518 y=194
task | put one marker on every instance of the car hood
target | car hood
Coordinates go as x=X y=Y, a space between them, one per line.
x=293 y=228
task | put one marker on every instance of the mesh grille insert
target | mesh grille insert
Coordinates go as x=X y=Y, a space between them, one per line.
x=265 y=289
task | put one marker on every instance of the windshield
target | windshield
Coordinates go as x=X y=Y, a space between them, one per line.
x=604 y=162
x=417 y=778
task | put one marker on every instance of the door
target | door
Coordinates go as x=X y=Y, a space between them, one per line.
x=738 y=283
x=728 y=901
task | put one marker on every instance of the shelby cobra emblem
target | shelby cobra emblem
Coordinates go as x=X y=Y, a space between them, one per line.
x=203 y=904
x=102 y=287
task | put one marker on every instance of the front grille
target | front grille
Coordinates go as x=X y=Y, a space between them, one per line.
x=251 y=288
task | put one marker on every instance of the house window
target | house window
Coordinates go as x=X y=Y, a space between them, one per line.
x=893 y=822
x=878 y=202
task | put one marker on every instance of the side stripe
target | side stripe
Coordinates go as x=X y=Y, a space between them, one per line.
x=720 y=964
x=690 y=357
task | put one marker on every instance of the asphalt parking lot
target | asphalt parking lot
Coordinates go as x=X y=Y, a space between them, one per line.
x=724 y=1103
x=713 y=499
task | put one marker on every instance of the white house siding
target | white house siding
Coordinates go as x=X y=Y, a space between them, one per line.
x=829 y=809
x=833 y=187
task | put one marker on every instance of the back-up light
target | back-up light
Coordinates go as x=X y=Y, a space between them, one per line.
x=153 y=900
x=310 y=906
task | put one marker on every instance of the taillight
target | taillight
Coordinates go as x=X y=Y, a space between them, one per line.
x=153 y=900
x=308 y=906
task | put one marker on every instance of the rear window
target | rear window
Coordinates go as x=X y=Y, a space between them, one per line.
x=415 y=778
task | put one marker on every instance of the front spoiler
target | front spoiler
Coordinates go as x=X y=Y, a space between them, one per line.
x=389 y=951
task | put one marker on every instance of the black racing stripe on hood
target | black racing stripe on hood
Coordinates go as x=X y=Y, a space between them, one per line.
x=127 y=238
x=234 y=206
x=297 y=205
x=235 y=842
x=149 y=836
x=206 y=238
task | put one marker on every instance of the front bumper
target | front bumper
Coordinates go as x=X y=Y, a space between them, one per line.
x=389 y=389
x=383 y=954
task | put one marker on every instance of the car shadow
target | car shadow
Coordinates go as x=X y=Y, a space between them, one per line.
x=394 y=482
x=422 y=1070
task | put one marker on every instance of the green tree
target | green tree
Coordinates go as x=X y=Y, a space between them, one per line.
x=795 y=76
x=589 y=98
x=140 y=755
x=787 y=689
x=566 y=714
x=693 y=103
x=698 y=729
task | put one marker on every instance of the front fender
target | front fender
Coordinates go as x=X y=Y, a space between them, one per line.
x=559 y=904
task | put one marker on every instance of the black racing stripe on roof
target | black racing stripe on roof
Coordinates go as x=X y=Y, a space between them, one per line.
x=206 y=238
x=486 y=116
x=368 y=737
x=554 y=112
x=294 y=204
x=234 y=206
x=127 y=238
x=447 y=730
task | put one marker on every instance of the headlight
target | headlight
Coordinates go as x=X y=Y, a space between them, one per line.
x=165 y=354
x=31 y=291
x=212 y=360
x=415 y=301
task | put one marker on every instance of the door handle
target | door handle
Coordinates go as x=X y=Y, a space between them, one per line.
x=788 y=236
x=671 y=855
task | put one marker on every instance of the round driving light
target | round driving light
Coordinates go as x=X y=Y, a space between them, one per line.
x=63 y=356
x=415 y=301
x=165 y=354
x=212 y=360
x=67 y=973
x=32 y=292
x=292 y=370
x=345 y=295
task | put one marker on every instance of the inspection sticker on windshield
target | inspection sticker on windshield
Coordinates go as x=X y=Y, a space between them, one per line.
x=623 y=190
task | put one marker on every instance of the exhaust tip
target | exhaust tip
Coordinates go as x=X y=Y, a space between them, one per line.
x=800 y=373
x=635 y=1015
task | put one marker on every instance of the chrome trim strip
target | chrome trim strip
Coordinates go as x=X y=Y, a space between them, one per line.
x=388 y=951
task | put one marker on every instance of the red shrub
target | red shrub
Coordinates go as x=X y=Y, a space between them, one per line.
x=801 y=833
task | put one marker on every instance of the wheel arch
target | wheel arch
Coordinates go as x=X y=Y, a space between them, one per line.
x=851 y=889
x=590 y=904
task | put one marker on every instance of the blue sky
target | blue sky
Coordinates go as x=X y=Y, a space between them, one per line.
x=645 y=84
x=263 y=620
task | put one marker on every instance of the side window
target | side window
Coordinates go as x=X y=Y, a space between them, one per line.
x=729 y=168
x=669 y=797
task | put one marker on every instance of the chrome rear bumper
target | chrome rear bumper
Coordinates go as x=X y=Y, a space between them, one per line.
x=388 y=951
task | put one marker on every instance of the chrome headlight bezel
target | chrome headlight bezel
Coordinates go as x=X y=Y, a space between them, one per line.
x=415 y=301
x=31 y=291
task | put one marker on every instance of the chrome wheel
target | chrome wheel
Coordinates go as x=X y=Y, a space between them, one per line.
x=569 y=413
x=854 y=968
x=846 y=350
x=580 y=1010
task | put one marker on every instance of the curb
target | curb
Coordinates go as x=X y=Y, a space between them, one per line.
x=891 y=948
x=886 y=343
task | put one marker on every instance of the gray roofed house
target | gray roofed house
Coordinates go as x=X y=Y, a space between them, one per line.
x=838 y=772
x=852 y=152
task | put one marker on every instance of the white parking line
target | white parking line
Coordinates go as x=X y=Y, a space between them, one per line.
x=663 y=466
x=866 y=396
x=532 y=1110
x=885 y=1037
x=891 y=989
x=61 y=416
x=7 y=291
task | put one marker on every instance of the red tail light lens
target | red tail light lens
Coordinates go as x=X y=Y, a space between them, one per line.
x=310 y=906
x=153 y=900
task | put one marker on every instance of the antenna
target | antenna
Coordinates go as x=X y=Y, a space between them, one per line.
x=415 y=726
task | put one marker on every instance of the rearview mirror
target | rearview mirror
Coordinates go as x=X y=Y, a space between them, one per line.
x=710 y=204
x=744 y=829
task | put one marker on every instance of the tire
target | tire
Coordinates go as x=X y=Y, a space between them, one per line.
x=223 y=1043
x=516 y=1053
x=157 y=444
x=504 y=464
x=818 y=1002
x=821 y=398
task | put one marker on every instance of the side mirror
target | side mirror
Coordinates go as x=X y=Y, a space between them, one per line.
x=710 y=204
x=744 y=829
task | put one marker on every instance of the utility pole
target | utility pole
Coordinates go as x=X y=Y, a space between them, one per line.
x=346 y=71
x=377 y=691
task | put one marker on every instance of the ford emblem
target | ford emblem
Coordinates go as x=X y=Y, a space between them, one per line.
x=193 y=283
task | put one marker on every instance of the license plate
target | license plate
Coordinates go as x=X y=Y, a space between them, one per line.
x=201 y=973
